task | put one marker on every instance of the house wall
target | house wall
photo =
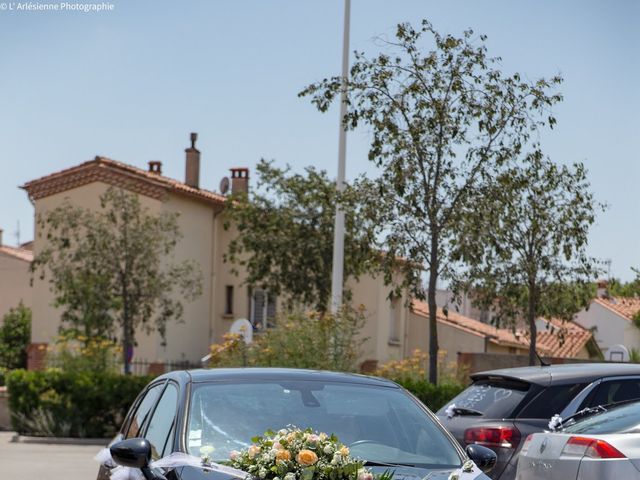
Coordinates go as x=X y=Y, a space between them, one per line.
x=14 y=283
x=46 y=318
x=371 y=292
x=223 y=276
x=451 y=340
x=189 y=339
x=610 y=328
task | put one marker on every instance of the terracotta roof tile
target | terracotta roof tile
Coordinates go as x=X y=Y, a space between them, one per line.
x=119 y=174
x=19 y=253
x=624 y=306
x=561 y=339
x=499 y=336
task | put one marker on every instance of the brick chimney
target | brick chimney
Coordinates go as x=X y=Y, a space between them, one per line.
x=239 y=180
x=155 y=166
x=192 y=170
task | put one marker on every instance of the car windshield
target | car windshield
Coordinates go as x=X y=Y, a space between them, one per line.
x=379 y=424
x=491 y=398
x=624 y=418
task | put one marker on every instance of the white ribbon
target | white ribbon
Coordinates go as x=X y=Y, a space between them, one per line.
x=555 y=422
x=450 y=411
x=174 y=460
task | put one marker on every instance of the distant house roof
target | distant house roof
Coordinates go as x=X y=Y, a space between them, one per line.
x=112 y=172
x=498 y=336
x=561 y=339
x=27 y=245
x=564 y=339
x=15 y=252
x=625 y=307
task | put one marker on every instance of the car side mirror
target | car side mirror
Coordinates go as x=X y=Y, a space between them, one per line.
x=134 y=453
x=483 y=457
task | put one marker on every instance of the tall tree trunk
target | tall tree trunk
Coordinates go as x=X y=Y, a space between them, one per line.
x=531 y=318
x=431 y=301
x=126 y=346
x=127 y=339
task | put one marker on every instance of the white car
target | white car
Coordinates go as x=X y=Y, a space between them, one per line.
x=605 y=445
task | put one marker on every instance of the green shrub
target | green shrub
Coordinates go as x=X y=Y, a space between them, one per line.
x=3 y=375
x=15 y=335
x=433 y=396
x=78 y=353
x=298 y=340
x=76 y=404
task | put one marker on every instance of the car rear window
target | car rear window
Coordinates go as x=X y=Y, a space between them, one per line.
x=624 y=418
x=494 y=398
x=551 y=400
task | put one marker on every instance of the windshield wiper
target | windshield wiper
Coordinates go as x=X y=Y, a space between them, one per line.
x=466 y=411
x=585 y=412
x=373 y=463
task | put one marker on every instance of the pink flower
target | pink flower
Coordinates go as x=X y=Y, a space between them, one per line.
x=253 y=451
x=364 y=475
x=234 y=454
x=313 y=438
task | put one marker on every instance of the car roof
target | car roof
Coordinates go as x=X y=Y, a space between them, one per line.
x=279 y=374
x=559 y=374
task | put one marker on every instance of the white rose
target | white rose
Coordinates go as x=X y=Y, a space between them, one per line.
x=262 y=472
x=290 y=476
x=206 y=450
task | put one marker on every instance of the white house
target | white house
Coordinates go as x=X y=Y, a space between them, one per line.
x=611 y=320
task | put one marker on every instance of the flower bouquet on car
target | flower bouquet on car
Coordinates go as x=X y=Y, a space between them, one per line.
x=294 y=454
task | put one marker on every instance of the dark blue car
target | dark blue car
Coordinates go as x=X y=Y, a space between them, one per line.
x=220 y=410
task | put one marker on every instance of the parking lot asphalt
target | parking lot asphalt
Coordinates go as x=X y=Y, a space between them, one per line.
x=30 y=461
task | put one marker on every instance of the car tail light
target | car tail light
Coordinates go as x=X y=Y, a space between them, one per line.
x=525 y=445
x=591 y=447
x=506 y=437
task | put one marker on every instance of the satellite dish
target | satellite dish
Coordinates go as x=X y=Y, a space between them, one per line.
x=224 y=185
x=618 y=353
x=243 y=327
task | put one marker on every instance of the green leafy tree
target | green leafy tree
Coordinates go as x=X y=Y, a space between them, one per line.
x=15 y=335
x=442 y=121
x=113 y=267
x=617 y=288
x=285 y=233
x=525 y=244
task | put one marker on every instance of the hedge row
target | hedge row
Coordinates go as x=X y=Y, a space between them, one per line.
x=73 y=404
x=433 y=396
x=93 y=404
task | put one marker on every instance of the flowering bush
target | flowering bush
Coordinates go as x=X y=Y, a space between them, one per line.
x=414 y=368
x=298 y=340
x=294 y=454
x=76 y=352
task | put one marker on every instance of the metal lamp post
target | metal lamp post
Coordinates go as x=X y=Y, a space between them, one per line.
x=337 y=278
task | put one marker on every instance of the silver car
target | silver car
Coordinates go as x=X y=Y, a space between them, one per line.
x=605 y=445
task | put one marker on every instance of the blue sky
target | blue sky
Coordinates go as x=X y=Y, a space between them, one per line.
x=132 y=83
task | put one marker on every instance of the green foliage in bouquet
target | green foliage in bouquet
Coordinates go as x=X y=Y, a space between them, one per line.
x=294 y=454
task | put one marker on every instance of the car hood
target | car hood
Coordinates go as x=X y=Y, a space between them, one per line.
x=400 y=473
x=415 y=473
